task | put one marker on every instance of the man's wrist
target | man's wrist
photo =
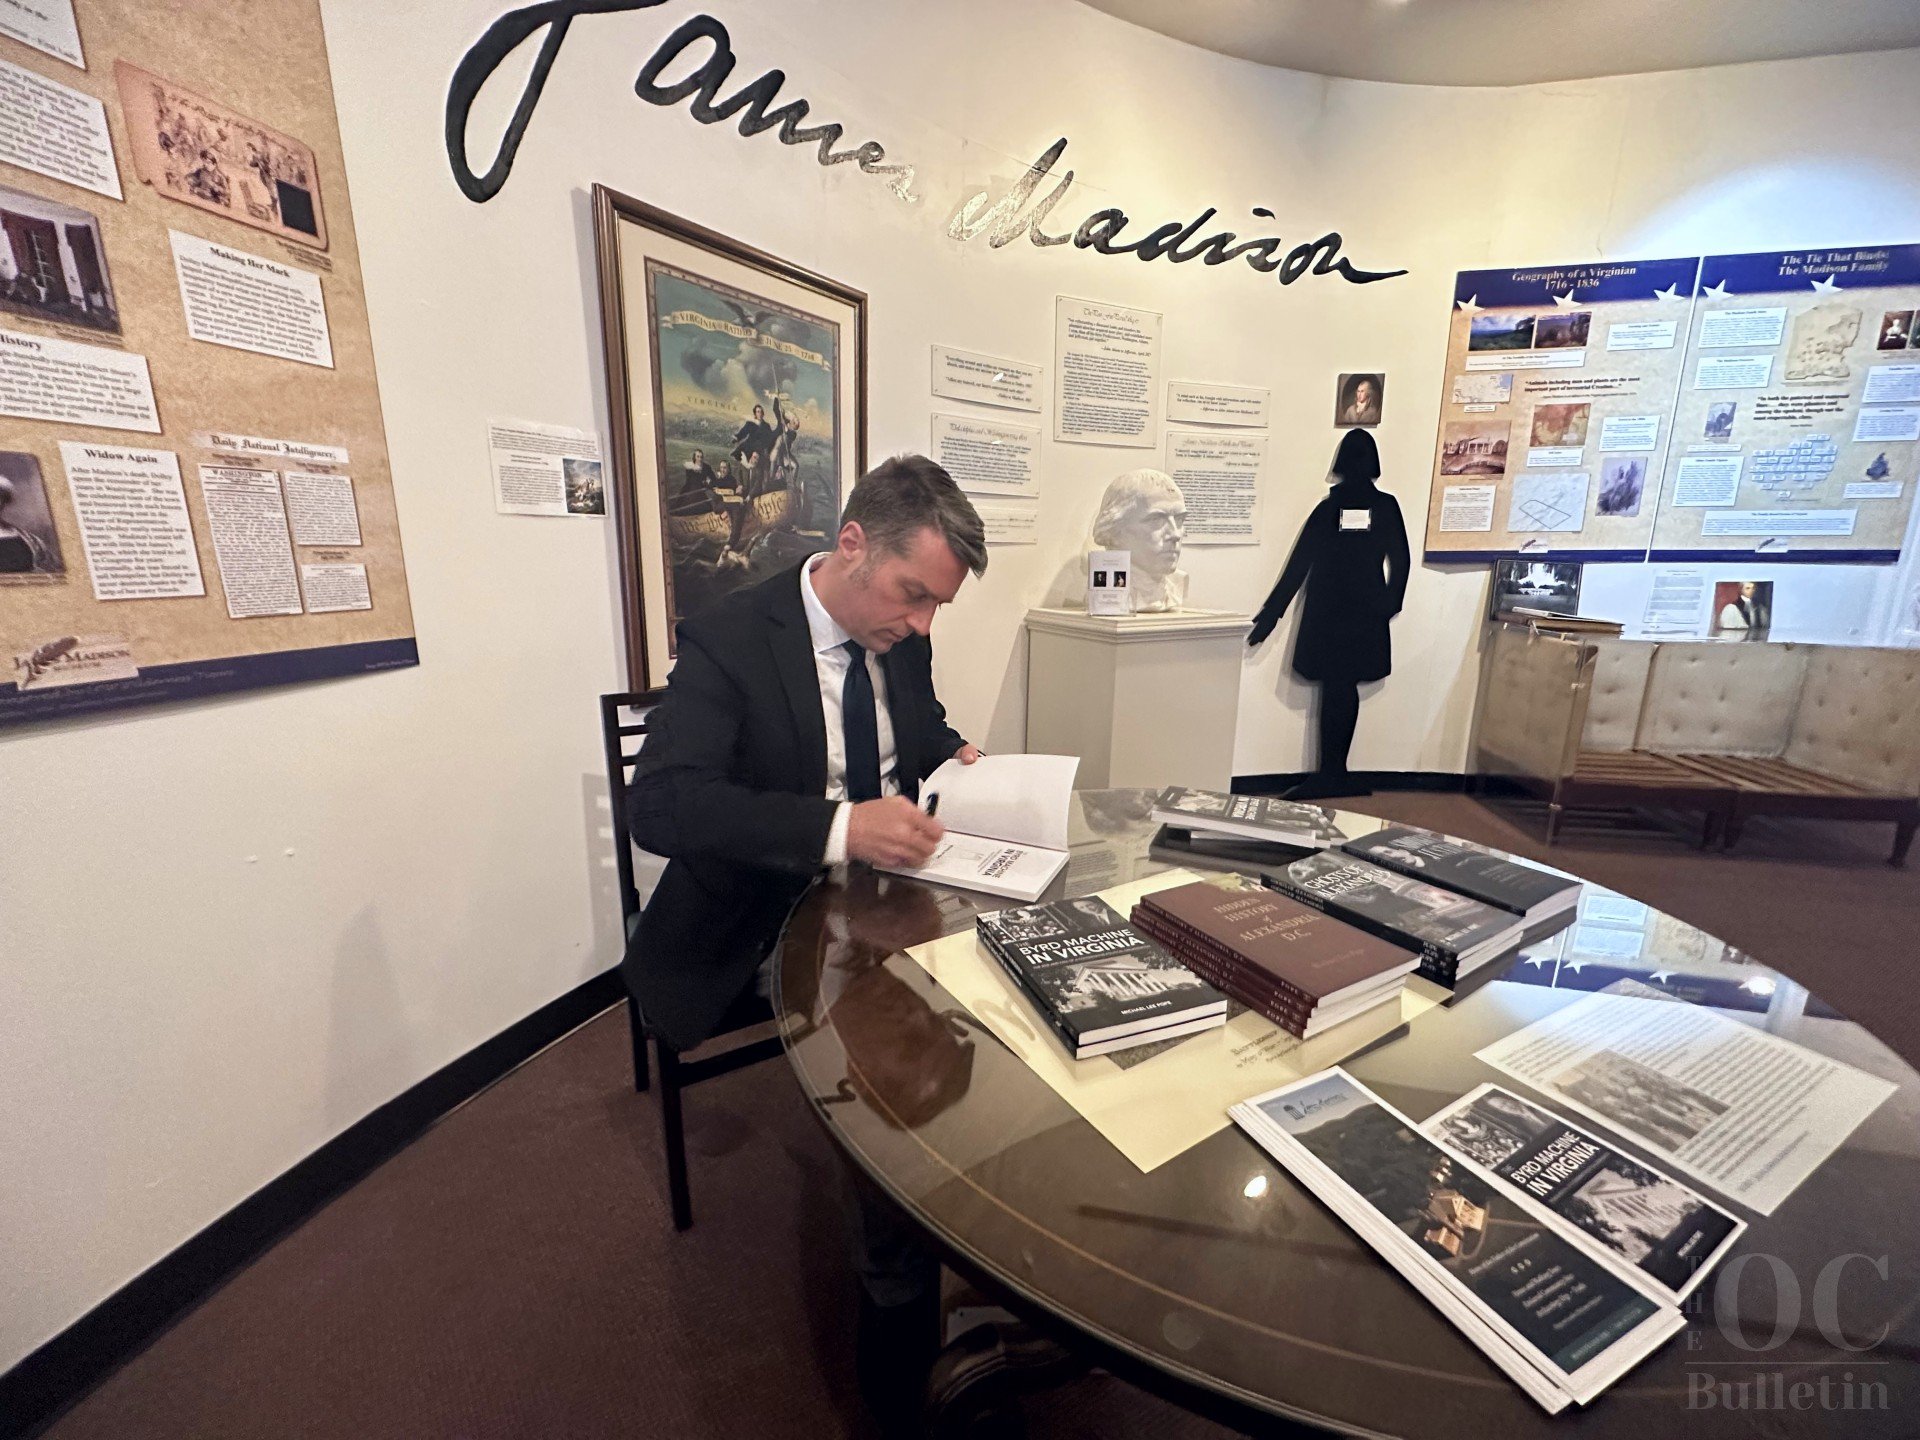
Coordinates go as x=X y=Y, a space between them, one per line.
x=836 y=853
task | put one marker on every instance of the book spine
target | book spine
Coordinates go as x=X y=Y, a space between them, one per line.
x=1220 y=948
x=1233 y=982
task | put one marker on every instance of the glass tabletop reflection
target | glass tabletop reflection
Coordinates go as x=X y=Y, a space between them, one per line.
x=1220 y=1273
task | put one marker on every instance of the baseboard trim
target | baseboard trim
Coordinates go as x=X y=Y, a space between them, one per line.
x=47 y=1382
x=1432 y=780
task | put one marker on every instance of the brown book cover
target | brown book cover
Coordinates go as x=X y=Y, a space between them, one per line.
x=1300 y=949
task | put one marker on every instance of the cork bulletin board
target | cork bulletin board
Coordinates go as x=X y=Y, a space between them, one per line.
x=194 y=487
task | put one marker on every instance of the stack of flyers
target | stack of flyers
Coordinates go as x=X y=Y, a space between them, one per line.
x=1561 y=1321
x=1619 y=1207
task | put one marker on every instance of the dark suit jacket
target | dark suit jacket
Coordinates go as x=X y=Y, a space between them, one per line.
x=730 y=788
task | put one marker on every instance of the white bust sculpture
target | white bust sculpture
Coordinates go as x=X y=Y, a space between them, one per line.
x=1144 y=513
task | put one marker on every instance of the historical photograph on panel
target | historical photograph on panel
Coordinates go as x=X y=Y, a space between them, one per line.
x=53 y=264
x=1359 y=399
x=1500 y=332
x=747 y=433
x=1537 y=584
x=1474 y=447
x=29 y=545
x=1557 y=425
x=1623 y=480
x=199 y=152
x=1563 y=330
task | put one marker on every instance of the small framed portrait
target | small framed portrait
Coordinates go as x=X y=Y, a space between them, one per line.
x=1359 y=398
x=737 y=390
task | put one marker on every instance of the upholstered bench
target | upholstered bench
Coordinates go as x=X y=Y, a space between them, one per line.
x=1727 y=729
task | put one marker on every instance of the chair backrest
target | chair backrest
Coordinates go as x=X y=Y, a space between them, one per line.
x=1722 y=697
x=1859 y=719
x=623 y=728
x=1618 y=693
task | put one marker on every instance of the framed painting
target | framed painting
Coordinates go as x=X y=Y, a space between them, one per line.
x=736 y=384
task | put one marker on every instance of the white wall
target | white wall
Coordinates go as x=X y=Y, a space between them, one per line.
x=238 y=926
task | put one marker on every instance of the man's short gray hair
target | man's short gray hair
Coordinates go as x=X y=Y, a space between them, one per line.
x=900 y=497
x=1128 y=497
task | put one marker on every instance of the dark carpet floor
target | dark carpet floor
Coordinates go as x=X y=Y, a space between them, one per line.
x=514 y=1273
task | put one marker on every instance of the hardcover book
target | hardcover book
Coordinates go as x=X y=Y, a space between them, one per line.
x=1284 y=1009
x=1509 y=885
x=1283 y=943
x=1451 y=933
x=1250 y=817
x=1095 y=980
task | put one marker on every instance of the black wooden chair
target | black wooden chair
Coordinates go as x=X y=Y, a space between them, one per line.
x=623 y=728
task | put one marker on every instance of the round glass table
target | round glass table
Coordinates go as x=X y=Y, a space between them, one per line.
x=1216 y=1279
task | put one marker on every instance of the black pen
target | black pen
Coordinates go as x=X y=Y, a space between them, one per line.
x=933 y=803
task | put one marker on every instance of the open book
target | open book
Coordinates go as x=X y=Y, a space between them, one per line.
x=1006 y=819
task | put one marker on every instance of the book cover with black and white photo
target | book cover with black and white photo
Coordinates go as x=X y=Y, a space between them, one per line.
x=1505 y=884
x=1093 y=976
x=1249 y=817
x=1664 y=1227
x=1451 y=932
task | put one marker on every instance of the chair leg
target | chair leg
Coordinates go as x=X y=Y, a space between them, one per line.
x=1902 y=839
x=637 y=1033
x=1553 y=821
x=675 y=1139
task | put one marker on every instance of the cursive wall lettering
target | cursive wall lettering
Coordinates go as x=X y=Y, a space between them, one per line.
x=1022 y=211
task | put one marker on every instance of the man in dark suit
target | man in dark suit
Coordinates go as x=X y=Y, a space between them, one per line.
x=798 y=724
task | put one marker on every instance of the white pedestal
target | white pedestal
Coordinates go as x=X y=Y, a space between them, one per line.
x=1146 y=700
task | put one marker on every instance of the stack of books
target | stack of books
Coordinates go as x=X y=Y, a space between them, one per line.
x=1099 y=985
x=1214 y=814
x=1278 y=957
x=1452 y=934
x=1518 y=888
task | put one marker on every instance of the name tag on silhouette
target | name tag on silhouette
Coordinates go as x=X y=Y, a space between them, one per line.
x=1356 y=519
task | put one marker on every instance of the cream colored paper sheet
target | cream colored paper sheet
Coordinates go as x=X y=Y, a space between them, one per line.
x=1154 y=1109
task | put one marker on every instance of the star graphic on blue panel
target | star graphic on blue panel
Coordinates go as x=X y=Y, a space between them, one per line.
x=1575 y=966
x=1716 y=292
x=1536 y=959
x=1660 y=977
x=1672 y=292
x=1565 y=301
x=1828 y=286
x=1469 y=304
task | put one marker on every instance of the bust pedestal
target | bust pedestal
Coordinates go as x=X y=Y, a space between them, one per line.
x=1147 y=700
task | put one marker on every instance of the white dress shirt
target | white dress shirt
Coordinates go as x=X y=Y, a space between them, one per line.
x=830 y=663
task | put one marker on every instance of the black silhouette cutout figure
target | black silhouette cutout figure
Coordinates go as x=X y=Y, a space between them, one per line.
x=1352 y=558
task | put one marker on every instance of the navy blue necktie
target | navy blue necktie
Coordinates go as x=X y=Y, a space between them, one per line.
x=862 y=726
